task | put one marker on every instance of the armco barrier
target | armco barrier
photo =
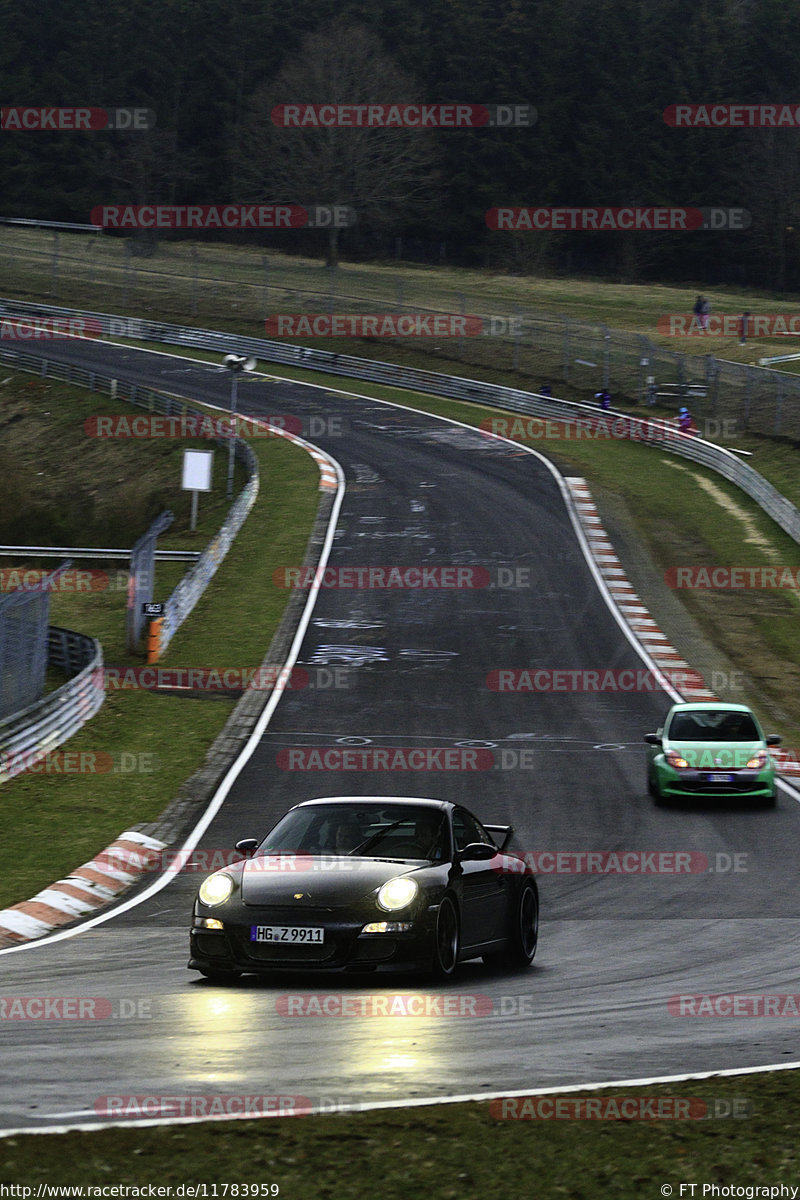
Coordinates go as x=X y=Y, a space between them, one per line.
x=716 y=458
x=27 y=736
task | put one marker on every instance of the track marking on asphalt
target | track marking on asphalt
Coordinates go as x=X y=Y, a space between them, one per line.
x=408 y=1102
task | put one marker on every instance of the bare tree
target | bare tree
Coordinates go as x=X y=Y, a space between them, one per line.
x=382 y=173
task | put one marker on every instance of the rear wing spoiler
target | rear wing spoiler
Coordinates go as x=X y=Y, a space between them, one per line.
x=502 y=834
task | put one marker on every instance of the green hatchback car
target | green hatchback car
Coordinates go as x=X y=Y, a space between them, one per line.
x=711 y=750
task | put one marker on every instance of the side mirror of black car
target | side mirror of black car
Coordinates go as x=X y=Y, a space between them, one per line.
x=652 y=739
x=477 y=852
x=773 y=739
x=247 y=845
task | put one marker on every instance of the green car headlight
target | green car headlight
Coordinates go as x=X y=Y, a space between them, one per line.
x=397 y=893
x=216 y=889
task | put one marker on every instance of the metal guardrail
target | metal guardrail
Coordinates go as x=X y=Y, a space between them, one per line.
x=27 y=736
x=197 y=578
x=531 y=404
x=95 y=552
x=32 y=224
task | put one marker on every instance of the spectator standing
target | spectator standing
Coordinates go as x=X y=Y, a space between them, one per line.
x=697 y=309
x=705 y=314
x=743 y=326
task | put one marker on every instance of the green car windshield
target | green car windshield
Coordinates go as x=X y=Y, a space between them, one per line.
x=713 y=726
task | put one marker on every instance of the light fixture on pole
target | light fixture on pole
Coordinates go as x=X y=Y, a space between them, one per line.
x=235 y=363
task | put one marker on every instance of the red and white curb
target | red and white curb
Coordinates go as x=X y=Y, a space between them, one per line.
x=327 y=472
x=328 y=477
x=641 y=623
x=85 y=890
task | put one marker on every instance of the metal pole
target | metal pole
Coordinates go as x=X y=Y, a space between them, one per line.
x=234 y=398
x=54 y=267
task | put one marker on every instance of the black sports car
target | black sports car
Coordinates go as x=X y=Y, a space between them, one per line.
x=360 y=883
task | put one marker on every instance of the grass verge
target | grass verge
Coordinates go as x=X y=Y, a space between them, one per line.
x=454 y=1152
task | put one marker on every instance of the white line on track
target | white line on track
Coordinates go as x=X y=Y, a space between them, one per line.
x=408 y=1102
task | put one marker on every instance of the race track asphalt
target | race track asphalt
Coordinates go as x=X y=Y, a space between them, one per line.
x=568 y=773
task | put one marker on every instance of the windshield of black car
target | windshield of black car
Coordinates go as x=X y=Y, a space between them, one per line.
x=371 y=831
x=713 y=726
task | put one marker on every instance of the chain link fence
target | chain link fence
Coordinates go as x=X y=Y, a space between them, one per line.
x=23 y=648
x=30 y=734
x=183 y=282
x=24 y=655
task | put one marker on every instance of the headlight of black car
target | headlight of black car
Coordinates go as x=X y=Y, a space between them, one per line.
x=216 y=889
x=397 y=893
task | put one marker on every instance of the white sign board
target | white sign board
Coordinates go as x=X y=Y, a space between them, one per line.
x=197 y=470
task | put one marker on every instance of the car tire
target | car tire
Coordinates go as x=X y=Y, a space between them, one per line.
x=524 y=937
x=445 y=940
x=654 y=791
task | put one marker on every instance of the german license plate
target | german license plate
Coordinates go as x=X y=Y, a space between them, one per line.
x=720 y=778
x=287 y=935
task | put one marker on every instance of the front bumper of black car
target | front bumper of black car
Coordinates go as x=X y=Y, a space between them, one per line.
x=345 y=946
